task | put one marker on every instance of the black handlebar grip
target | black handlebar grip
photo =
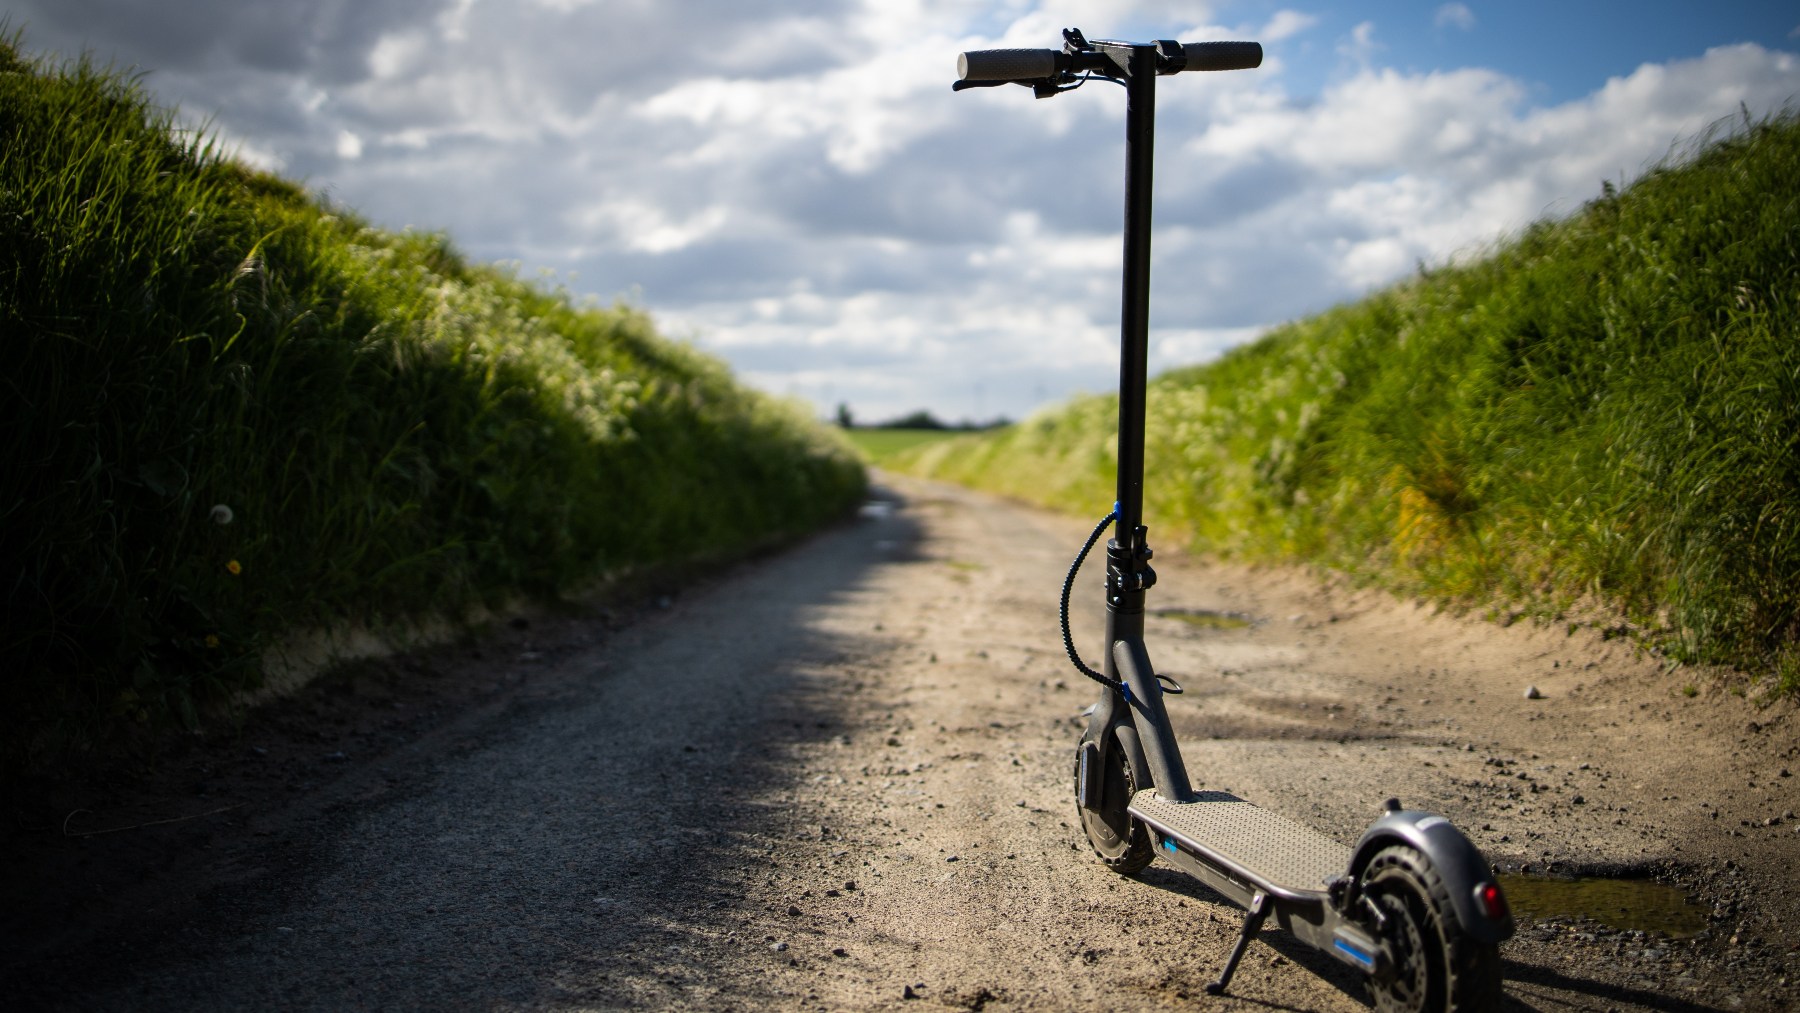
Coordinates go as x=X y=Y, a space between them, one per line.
x=1006 y=64
x=1222 y=55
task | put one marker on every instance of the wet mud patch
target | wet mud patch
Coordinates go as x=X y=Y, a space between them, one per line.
x=1623 y=901
x=1205 y=619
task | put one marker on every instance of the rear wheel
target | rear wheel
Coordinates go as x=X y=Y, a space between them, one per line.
x=1436 y=966
x=1121 y=842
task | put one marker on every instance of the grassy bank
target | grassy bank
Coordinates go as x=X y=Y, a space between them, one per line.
x=1604 y=412
x=232 y=411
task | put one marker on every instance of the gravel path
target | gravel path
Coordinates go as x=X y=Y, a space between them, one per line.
x=838 y=779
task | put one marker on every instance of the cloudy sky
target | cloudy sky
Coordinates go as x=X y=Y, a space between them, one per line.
x=792 y=184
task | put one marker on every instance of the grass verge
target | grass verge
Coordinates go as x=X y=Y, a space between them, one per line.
x=233 y=411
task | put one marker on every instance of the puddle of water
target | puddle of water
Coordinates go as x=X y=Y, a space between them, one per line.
x=1640 y=904
x=1204 y=618
x=876 y=509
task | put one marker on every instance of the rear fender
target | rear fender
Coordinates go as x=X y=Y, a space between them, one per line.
x=1461 y=866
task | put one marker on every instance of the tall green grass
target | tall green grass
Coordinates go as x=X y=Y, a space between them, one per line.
x=1601 y=414
x=393 y=432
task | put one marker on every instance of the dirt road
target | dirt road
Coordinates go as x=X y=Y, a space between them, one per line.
x=839 y=779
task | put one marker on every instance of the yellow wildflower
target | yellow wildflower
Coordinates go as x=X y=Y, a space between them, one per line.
x=234 y=568
x=212 y=640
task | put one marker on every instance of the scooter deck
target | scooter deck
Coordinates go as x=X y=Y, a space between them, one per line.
x=1246 y=840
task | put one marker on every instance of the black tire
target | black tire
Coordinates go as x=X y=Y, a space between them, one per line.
x=1121 y=842
x=1437 y=965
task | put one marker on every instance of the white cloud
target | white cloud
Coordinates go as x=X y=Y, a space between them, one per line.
x=1360 y=47
x=642 y=226
x=1410 y=167
x=1454 y=15
x=1285 y=25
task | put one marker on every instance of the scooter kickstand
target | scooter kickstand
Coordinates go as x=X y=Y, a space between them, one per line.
x=1253 y=919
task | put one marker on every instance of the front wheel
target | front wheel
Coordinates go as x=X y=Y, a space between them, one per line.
x=1121 y=842
x=1435 y=965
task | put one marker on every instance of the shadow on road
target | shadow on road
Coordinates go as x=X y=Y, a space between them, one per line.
x=594 y=842
x=1527 y=983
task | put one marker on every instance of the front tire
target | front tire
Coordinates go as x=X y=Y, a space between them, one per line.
x=1121 y=842
x=1436 y=966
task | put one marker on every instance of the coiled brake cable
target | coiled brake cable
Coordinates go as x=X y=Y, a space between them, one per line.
x=1069 y=585
x=1168 y=685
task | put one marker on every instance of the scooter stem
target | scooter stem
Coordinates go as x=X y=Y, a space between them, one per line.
x=1129 y=574
x=1134 y=313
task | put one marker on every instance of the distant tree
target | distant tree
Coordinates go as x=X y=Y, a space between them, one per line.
x=844 y=419
x=920 y=419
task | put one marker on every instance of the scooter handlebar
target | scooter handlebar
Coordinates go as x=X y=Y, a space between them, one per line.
x=1222 y=55
x=1007 y=64
x=997 y=66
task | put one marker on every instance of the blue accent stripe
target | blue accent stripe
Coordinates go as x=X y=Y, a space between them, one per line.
x=1355 y=954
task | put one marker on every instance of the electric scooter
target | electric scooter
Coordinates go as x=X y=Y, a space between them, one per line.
x=1414 y=905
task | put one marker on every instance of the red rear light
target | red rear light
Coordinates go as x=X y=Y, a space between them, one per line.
x=1491 y=900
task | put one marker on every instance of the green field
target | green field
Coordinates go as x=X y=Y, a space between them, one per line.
x=879 y=446
x=1597 y=420
x=233 y=411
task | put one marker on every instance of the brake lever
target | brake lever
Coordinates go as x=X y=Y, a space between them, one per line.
x=1042 y=88
x=1074 y=43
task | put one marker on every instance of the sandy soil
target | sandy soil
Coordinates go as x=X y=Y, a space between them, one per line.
x=839 y=779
